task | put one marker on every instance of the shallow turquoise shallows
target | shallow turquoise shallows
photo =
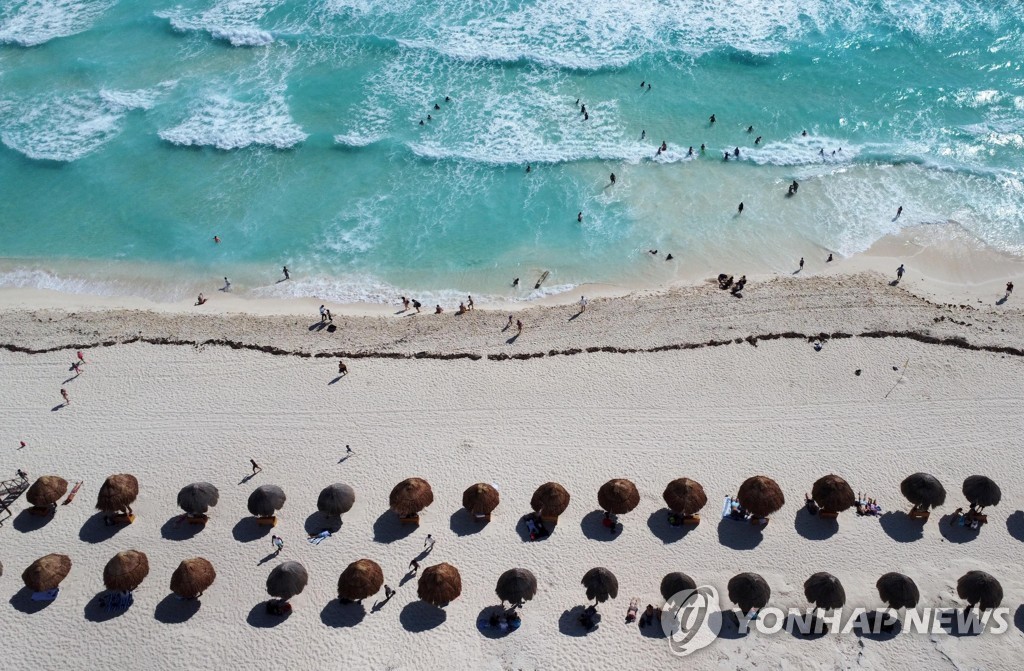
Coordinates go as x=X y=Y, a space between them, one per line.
x=135 y=131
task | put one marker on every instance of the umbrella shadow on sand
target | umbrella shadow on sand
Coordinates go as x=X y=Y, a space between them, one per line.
x=954 y=533
x=462 y=523
x=593 y=527
x=420 y=616
x=96 y=529
x=659 y=526
x=178 y=529
x=813 y=527
x=389 y=528
x=259 y=617
x=338 y=614
x=569 y=622
x=899 y=527
x=27 y=521
x=739 y=534
x=318 y=522
x=96 y=610
x=22 y=601
x=247 y=530
x=1015 y=525
x=172 y=609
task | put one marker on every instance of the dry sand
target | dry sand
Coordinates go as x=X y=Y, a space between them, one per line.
x=712 y=409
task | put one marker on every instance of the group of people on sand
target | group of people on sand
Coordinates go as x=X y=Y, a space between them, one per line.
x=651 y=614
x=726 y=282
x=464 y=306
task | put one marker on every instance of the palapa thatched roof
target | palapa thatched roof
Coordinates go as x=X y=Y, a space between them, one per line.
x=749 y=591
x=286 y=580
x=684 y=496
x=761 y=496
x=440 y=584
x=550 y=498
x=126 y=570
x=825 y=591
x=601 y=584
x=480 y=499
x=336 y=500
x=117 y=493
x=46 y=490
x=410 y=496
x=192 y=577
x=981 y=491
x=47 y=572
x=923 y=490
x=980 y=589
x=198 y=498
x=360 y=580
x=618 y=496
x=673 y=583
x=898 y=590
x=266 y=500
x=516 y=585
x=833 y=494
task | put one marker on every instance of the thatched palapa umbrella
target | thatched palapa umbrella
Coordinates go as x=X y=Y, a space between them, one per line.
x=118 y=493
x=898 y=590
x=516 y=586
x=761 y=496
x=336 y=500
x=480 y=499
x=440 y=584
x=410 y=496
x=749 y=591
x=979 y=589
x=825 y=591
x=47 y=572
x=980 y=491
x=601 y=584
x=46 y=491
x=618 y=496
x=924 y=491
x=360 y=580
x=192 y=577
x=673 y=583
x=287 y=580
x=684 y=496
x=126 y=570
x=550 y=500
x=833 y=494
x=198 y=498
x=266 y=500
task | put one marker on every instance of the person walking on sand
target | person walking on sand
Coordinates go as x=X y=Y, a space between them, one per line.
x=1009 y=290
x=613 y=177
x=227 y=284
x=348 y=449
x=342 y=369
x=414 y=566
x=438 y=309
x=583 y=304
x=469 y=303
x=77 y=367
x=64 y=393
x=519 y=326
x=256 y=468
x=201 y=300
x=330 y=317
x=286 y=275
x=323 y=314
x=405 y=303
x=81 y=357
x=899 y=273
x=416 y=304
x=801 y=263
x=428 y=544
x=829 y=259
x=388 y=592
x=278 y=544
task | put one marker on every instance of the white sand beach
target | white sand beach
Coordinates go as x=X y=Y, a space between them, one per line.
x=736 y=390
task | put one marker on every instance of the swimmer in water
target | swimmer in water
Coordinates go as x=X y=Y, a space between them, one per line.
x=216 y=239
x=737 y=152
x=664 y=146
x=702 y=148
x=586 y=116
x=527 y=167
x=669 y=257
x=447 y=99
x=436 y=107
x=421 y=122
x=757 y=140
x=804 y=133
x=643 y=134
x=750 y=129
x=583 y=108
x=725 y=156
x=712 y=118
x=515 y=282
x=613 y=180
x=741 y=208
x=689 y=152
x=579 y=216
x=642 y=83
x=430 y=118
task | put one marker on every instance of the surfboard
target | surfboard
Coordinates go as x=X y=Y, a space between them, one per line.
x=543 y=277
x=74 y=490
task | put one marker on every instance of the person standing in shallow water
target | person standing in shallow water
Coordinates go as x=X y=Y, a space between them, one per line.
x=579 y=216
x=740 y=209
x=613 y=178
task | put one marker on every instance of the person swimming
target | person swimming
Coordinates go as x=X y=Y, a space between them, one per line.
x=527 y=167
x=750 y=129
x=736 y=153
x=689 y=152
x=702 y=148
x=757 y=140
x=436 y=106
x=515 y=282
x=712 y=118
x=579 y=216
x=643 y=134
x=642 y=83
x=725 y=156
x=447 y=99
x=664 y=146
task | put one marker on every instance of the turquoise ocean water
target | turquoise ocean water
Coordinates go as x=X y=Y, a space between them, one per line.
x=133 y=132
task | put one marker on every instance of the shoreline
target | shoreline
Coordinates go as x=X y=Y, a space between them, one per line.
x=945 y=264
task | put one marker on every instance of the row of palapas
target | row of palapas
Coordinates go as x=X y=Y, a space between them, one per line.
x=758 y=495
x=441 y=584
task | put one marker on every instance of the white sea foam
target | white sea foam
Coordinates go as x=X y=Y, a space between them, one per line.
x=32 y=22
x=226 y=123
x=234 y=21
x=68 y=127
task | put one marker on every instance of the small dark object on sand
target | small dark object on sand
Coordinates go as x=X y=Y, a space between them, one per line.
x=857 y=372
x=895 y=367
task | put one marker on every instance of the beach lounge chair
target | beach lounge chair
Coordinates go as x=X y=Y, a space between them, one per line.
x=267 y=521
x=48 y=595
x=113 y=602
x=412 y=519
x=691 y=520
x=119 y=518
x=828 y=514
x=197 y=519
x=919 y=514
